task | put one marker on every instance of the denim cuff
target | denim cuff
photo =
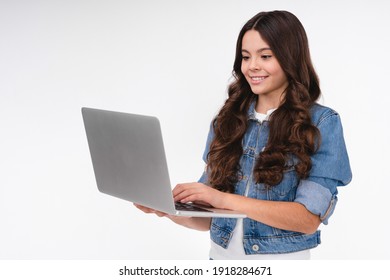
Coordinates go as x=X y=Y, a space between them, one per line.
x=317 y=199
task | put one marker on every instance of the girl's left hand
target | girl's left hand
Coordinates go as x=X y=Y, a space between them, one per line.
x=199 y=193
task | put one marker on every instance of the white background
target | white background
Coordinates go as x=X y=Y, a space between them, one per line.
x=172 y=59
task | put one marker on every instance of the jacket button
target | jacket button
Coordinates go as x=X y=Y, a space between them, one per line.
x=255 y=248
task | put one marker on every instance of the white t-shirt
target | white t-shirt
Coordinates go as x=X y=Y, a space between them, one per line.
x=235 y=250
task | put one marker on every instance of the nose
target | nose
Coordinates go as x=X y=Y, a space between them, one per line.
x=254 y=64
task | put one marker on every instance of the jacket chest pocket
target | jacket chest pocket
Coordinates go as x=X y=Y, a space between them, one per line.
x=284 y=191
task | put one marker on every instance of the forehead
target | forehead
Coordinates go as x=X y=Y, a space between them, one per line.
x=252 y=41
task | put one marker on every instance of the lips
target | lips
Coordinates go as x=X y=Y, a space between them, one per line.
x=257 y=79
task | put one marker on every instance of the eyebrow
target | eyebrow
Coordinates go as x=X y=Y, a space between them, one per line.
x=258 y=51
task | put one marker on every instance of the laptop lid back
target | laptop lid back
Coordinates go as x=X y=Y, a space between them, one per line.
x=128 y=157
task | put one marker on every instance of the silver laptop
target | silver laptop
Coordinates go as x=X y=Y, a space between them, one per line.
x=129 y=162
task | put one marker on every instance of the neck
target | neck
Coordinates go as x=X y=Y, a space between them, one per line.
x=264 y=104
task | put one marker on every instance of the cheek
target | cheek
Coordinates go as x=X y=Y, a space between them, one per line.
x=274 y=69
x=282 y=78
x=243 y=70
x=278 y=73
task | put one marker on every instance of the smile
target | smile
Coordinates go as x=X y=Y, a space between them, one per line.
x=258 y=79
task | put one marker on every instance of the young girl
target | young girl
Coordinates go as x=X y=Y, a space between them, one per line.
x=272 y=152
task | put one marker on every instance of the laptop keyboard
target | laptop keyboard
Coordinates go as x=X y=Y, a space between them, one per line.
x=188 y=207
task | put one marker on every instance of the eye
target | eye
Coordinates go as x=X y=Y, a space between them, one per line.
x=266 y=56
x=245 y=57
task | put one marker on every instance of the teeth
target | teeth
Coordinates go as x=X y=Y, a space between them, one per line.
x=257 y=78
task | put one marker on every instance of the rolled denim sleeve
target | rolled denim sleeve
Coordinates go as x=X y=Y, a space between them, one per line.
x=317 y=199
x=330 y=169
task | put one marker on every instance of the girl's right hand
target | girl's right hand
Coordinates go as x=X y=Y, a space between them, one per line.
x=190 y=222
x=150 y=210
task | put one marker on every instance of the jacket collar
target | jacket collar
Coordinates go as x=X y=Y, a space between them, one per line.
x=251 y=111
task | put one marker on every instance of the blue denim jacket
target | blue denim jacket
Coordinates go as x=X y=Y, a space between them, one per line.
x=318 y=192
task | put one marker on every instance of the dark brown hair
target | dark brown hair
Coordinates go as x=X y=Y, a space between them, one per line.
x=292 y=133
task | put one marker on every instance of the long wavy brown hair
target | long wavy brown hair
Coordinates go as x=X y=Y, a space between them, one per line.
x=292 y=133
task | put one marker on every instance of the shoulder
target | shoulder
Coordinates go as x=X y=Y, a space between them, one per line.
x=321 y=113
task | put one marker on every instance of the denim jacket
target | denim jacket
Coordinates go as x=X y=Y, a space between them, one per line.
x=318 y=192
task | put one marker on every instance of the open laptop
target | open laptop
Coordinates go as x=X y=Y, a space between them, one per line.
x=129 y=162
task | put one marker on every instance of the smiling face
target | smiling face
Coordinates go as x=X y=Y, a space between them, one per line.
x=262 y=71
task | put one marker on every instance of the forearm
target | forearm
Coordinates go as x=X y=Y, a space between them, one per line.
x=197 y=223
x=279 y=214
